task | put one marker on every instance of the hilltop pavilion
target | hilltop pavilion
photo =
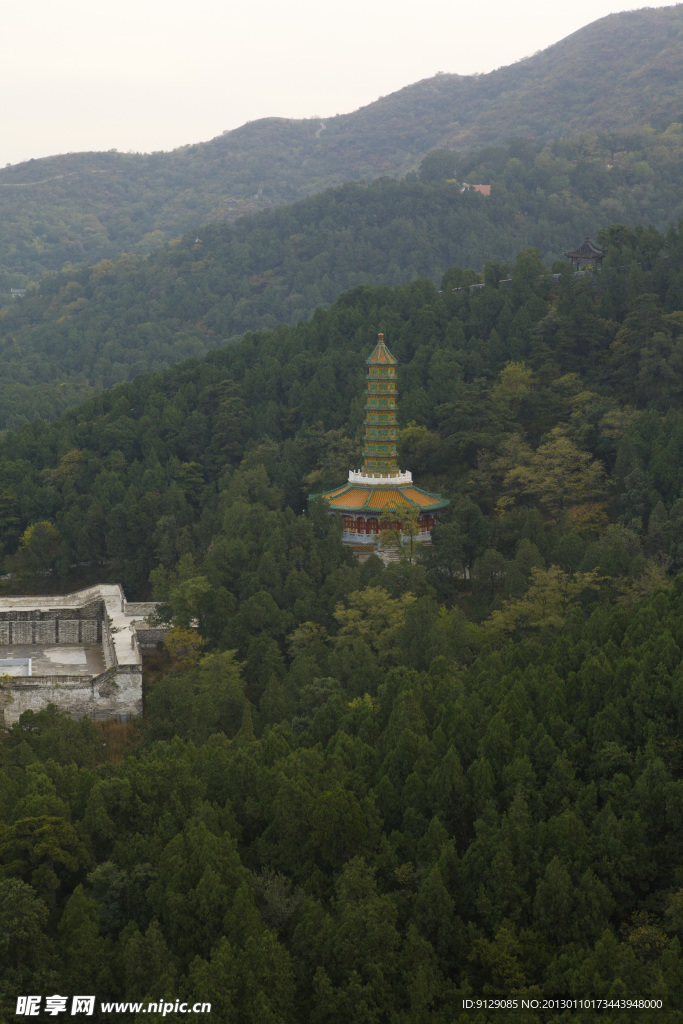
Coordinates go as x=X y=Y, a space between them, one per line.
x=380 y=490
x=586 y=253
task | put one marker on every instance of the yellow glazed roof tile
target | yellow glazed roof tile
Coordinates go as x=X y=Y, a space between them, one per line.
x=385 y=499
x=419 y=497
x=336 y=492
x=353 y=498
x=379 y=498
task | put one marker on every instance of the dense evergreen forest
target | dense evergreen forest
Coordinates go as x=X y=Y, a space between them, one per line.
x=86 y=328
x=365 y=792
x=622 y=71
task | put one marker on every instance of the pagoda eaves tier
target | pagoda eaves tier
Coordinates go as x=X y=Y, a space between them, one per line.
x=362 y=506
x=377 y=494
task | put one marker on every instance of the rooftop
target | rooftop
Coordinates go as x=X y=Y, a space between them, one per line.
x=53 y=659
x=373 y=497
x=381 y=353
x=586 y=251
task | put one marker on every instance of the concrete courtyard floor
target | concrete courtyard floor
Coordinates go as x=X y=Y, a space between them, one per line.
x=58 y=659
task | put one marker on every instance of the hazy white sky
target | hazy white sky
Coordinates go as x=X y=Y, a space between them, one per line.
x=145 y=75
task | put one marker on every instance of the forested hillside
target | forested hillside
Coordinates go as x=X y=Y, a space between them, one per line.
x=486 y=376
x=622 y=71
x=88 y=328
x=372 y=792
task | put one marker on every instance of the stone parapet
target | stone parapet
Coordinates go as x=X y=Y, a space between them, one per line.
x=94 y=610
x=88 y=600
x=140 y=609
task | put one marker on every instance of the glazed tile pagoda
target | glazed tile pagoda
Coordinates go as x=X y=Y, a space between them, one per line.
x=380 y=490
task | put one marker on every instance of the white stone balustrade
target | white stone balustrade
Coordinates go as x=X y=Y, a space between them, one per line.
x=357 y=476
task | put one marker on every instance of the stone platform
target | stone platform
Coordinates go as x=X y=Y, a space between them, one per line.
x=58 y=659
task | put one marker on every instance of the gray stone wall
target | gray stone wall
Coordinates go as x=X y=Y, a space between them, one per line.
x=107 y=645
x=55 y=630
x=89 y=610
x=149 y=639
x=141 y=609
x=118 y=691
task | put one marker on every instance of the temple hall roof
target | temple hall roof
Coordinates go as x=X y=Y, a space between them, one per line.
x=378 y=499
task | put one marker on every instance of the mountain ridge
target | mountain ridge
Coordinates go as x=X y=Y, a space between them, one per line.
x=90 y=327
x=620 y=71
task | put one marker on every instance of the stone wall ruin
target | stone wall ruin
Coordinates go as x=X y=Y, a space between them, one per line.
x=97 y=616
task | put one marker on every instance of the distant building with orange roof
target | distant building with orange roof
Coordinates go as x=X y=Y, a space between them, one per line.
x=484 y=189
x=380 y=490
